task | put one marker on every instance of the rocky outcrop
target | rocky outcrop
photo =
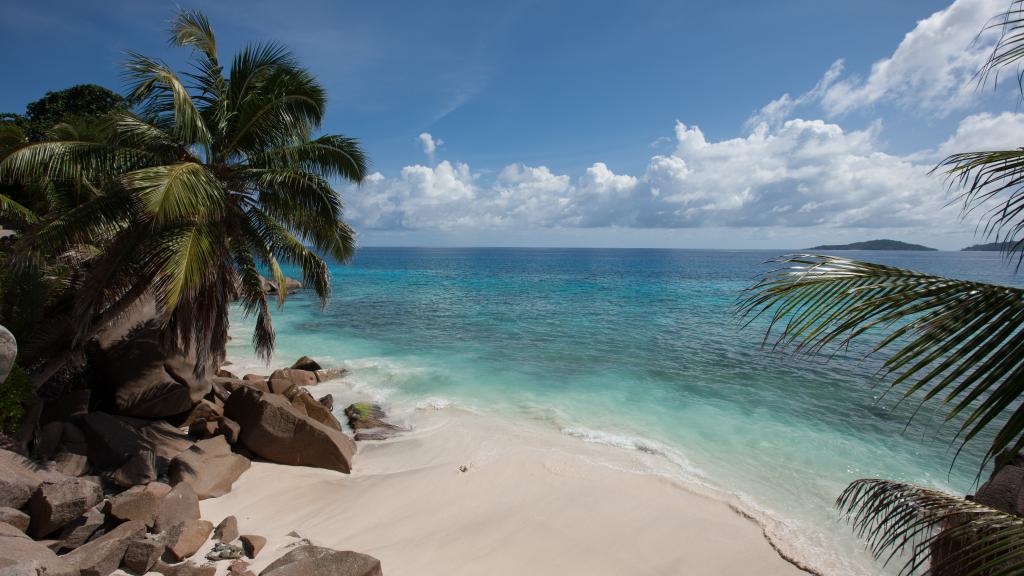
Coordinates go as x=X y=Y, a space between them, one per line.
x=209 y=467
x=271 y=428
x=317 y=561
x=141 y=376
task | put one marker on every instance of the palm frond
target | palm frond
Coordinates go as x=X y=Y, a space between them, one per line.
x=956 y=341
x=329 y=156
x=192 y=28
x=11 y=210
x=1009 y=48
x=937 y=533
x=992 y=181
x=161 y=94
x=177 y=191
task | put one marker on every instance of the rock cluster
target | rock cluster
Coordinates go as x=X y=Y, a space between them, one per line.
x=111 y=474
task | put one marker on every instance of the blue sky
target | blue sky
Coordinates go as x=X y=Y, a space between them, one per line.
x=602 y=123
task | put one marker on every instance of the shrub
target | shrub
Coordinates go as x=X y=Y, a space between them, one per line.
x=15 y=393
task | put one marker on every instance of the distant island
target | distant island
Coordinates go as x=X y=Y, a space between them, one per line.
x=990 y=247
x=874 y=245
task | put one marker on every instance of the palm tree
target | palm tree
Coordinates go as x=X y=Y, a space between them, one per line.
x=950 y=341
x=214 y=178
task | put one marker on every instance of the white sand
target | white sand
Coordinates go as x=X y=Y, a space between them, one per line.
x=533 y=502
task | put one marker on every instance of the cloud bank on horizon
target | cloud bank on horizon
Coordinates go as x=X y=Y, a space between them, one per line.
x=796 y=166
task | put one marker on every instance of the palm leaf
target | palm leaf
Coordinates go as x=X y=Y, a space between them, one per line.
x=955 y=341
x=1010 y=46
x=937 y=533
x=9 y=209
x=177 y=191
x=161 y=94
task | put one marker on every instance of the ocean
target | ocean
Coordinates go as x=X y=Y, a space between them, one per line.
x=642 y=350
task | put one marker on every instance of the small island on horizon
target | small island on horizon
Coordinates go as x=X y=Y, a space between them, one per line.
x=990 y=247
x=875 y=245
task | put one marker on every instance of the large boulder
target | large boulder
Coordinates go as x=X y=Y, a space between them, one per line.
x=56 y=504
x=8 y=352
x=209 y=466
x=15 y=518
x=281 y=380
x=304 y=402
x=307 y=363
x=22 y=556
x=141 y=376
x=103 y=555
x=273 y=429
x=312 y=560
x=1005 y=487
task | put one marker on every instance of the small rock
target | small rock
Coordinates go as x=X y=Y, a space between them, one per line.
x=186 y=538
x=227 y=530
x=142 y=554
x=15 y=518
x=240 y=568
x=319 y=561
x=103 y=555
x=55 y=504
x=367 y=420
x=252 y=544
x=180 y=504
x=329 y=374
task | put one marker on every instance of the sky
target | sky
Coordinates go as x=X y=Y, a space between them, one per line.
x=746 y=124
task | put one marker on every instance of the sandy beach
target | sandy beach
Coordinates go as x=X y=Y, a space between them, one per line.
x=529 y=502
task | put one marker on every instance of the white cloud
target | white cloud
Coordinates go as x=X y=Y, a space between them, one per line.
x=430 y=145
x=802 y=173
x=931 y=69
x=986 y=132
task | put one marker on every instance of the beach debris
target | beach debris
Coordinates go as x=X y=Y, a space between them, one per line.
x=252 y=544
x=464 y=468
x=273 y=429
x=309 y=559
x=222 y=551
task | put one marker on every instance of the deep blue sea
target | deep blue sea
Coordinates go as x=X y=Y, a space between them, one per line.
x=640 y=349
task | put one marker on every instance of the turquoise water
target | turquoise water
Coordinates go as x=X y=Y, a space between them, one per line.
x=639 y=349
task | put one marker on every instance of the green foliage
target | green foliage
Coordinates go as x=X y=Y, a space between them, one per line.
x=208 y=181
x=15 y=394
x=81 y=101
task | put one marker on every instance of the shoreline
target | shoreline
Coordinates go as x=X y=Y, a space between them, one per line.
x=578 y=505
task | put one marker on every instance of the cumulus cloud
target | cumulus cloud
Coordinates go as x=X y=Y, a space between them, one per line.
x=932 y=67
x=429 y=144
x=800 y=173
